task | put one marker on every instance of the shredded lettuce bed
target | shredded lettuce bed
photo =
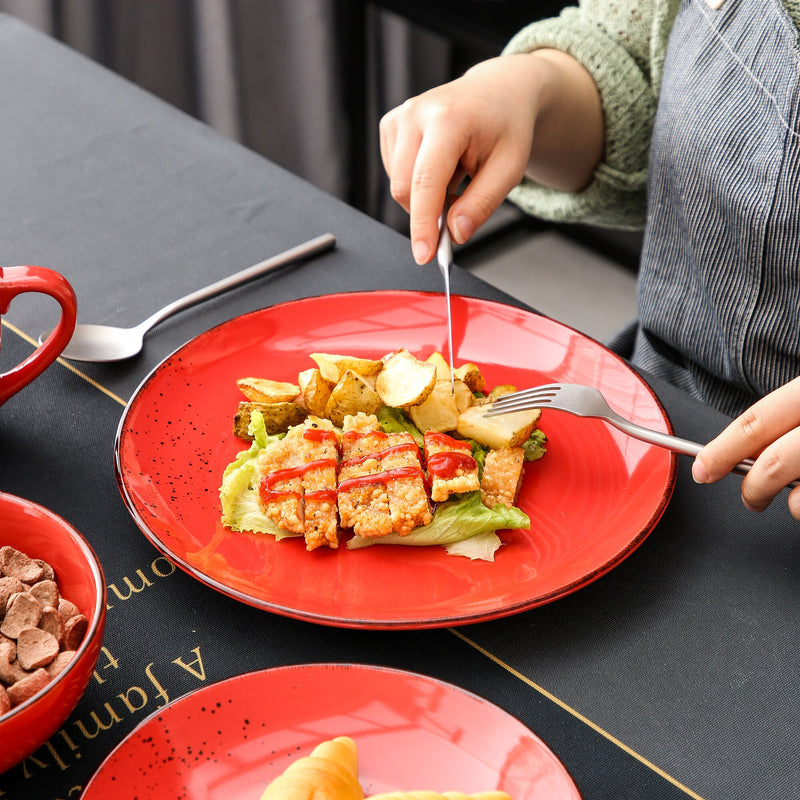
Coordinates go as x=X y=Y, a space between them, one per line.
x=463 y=525
x=239 y=491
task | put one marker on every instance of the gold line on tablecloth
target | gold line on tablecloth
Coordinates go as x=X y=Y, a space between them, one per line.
x=576 y=714
x=66 y=364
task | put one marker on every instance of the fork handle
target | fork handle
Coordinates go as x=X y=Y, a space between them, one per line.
x=675 y=443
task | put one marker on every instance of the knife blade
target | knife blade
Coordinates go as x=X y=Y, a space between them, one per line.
x=444 y=255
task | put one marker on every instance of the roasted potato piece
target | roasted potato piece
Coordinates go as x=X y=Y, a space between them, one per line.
x=472 y=376
x=369 y=380
x=263 y=390
x=333 y=366
x=278 y=417
x=405 y=380
x=498 y=391
x=501 y=390
x=351 y=395
x=315 y=390
x=439 y=411
x=442 y=367
x=464 y=397
x=506 y=430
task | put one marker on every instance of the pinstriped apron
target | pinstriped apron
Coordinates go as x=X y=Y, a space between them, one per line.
x=719 y=289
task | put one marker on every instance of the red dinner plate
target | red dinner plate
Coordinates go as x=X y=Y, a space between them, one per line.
x=592 y=499
x=230 y=739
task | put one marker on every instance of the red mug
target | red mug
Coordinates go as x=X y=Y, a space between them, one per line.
x=18 y=280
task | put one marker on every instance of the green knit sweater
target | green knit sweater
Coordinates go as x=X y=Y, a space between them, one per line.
x=622 y=43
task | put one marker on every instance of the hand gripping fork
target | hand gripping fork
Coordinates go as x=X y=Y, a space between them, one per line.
x=586 y=401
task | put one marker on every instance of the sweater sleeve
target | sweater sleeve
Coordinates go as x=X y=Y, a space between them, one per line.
x=614 y=42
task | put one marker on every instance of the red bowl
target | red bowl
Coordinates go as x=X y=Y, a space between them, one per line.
x=40 y=533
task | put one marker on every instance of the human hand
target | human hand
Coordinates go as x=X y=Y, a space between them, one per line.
x=481 y=125
x=535 y=113
x=768 y=431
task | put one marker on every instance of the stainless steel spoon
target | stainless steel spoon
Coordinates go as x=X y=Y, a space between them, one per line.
x=109 y=343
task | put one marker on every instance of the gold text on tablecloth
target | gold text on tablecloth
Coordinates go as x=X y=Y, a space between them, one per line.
x=144 y=579
x=64 y=748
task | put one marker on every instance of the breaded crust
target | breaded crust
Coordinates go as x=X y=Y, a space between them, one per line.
x=320 y=452
x=363 y=504
x=408 y=497
x=281 y=486
x=451 y=468
x=502 y=476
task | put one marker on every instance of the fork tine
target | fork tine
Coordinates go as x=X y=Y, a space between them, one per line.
x=536 y=392
x=522 y=405
x=522 y=401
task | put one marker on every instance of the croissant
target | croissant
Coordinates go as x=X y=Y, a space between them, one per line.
x=424 y=795
x=329 y=773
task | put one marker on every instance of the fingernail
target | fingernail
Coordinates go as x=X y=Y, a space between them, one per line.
x=699 y=472
x=422 y=255
x=462 y=229
x=749 y=506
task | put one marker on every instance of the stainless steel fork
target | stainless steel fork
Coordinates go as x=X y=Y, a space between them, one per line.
x=586 y=401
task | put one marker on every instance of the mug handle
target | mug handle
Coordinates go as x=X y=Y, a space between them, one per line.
x=18 y=280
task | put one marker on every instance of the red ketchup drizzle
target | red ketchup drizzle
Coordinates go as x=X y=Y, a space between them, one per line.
x=269 y=494
x=354 y=436
x=445 y=465
x=273 y=495
x=405 y=447
x=379 y=477
x=322 y=435
x=319 y=435
x=443 y=440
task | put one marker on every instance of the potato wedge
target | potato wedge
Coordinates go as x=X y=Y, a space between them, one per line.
x=472 y=376
x=506 y=430
x=278 y=417
x=439 y=412
x=464 y=397
x=405 y=380
x=315 y=391
x=351 y=395
x=370 y=380
x=498 y=391
x=334 y=366
x=442 y=367
x=501 y=390
x=263 y=390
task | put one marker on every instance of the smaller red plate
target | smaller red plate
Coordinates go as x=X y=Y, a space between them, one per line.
x=232 y=738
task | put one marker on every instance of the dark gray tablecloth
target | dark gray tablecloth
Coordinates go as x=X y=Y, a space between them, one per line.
x=674 y=675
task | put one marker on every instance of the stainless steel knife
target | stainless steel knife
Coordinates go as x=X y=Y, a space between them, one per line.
x=444 y=255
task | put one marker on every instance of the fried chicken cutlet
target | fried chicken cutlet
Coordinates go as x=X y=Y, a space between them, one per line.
x=381 y=482
x=451 y=467
x=377 y=488
x=502 y=476
x=297 y=490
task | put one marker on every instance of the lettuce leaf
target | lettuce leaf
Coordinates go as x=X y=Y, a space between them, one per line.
x=456 y=522
x=480 y=547
x=239 y=491
x=393 y=420
x=534 y=447
x=479 y=452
